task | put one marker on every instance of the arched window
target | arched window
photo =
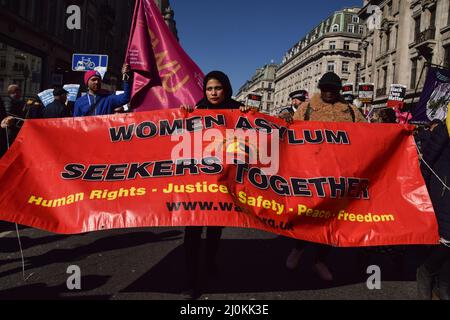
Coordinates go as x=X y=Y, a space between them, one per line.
x=335 y=28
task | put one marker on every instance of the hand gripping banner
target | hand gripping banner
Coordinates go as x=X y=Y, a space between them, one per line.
x=333 y=183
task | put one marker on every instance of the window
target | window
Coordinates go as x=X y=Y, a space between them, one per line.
x=332 y=45
x=381 y=43
x=378 y=79
x=2 y=62
x=358 y=72
x=355 y=19
x=448 y=14
x=351 y=28
x=447 y=56
x=346 y=45
x=413 y=73
x=388 y=40
x=345 y=66
x=396 y=37
x=335 y=28
x=269 y=96
x=393 y=74
x=365 y=57
x=417 y=21
x=385 y=74
x=361 y=29
x=330 y=66
x=433 y=17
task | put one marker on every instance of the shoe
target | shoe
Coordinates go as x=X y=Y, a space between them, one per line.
x=424 y=283
x=294 y=258
x=322 y=271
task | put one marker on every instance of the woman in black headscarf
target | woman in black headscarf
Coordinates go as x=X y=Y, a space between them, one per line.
x=217 y=95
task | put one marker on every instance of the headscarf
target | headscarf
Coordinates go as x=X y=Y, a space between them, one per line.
x=228 y=103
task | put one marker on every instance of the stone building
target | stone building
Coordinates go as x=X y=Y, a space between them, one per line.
x=403 y=37
x=262 y=83
x=332 y=46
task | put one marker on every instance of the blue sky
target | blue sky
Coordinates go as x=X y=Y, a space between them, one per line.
x=239 y=36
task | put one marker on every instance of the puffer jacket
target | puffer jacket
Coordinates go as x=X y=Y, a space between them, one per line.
x=317 y=110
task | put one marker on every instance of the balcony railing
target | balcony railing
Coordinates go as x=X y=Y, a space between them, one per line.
x=381 y=92
x=426 y=35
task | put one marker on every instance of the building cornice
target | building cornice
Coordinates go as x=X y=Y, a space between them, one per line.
x=317 y=56
x=353 y=36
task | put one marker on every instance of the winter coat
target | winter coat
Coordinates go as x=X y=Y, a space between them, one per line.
x=3 y=145
x=56 y=109
x=102 y=103
x=15 y=108
x=227 y=104
x=318 y=110
x=436 y=152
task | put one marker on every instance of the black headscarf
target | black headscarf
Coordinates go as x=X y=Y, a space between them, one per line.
x=228 y=103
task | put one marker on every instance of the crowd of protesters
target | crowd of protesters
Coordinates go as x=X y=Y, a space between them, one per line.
x=328 y=105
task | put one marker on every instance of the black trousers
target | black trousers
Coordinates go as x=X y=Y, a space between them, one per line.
x=192 y=249
x=439 y=257
x=320 y=250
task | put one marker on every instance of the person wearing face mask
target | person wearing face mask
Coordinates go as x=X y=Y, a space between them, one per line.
x=217 y=96
x=329 y=106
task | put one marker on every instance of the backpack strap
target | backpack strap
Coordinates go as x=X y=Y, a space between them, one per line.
x=308 y=112
x=352 y=112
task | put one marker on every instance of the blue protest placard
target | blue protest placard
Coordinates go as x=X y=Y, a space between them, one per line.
x=73 y=90
x=46 y=97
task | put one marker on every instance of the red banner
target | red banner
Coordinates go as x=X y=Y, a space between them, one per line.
x=334 y=183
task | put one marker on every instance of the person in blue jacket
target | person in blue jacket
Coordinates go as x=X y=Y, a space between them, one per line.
x=98 y=102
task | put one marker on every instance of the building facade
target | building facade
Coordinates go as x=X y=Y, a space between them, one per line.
x=263 y=84
x=332 y=46
x=36 y=47
x=409 y=34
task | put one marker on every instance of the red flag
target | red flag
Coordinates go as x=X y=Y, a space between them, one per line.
x=165 y=76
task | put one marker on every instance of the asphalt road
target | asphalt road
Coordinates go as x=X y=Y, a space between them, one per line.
x=149 y=264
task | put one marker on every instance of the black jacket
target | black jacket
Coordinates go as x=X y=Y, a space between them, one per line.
x=3 y=145
x=56 y=109
x=14 y=108
x=437 y=154
x=227 y=104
